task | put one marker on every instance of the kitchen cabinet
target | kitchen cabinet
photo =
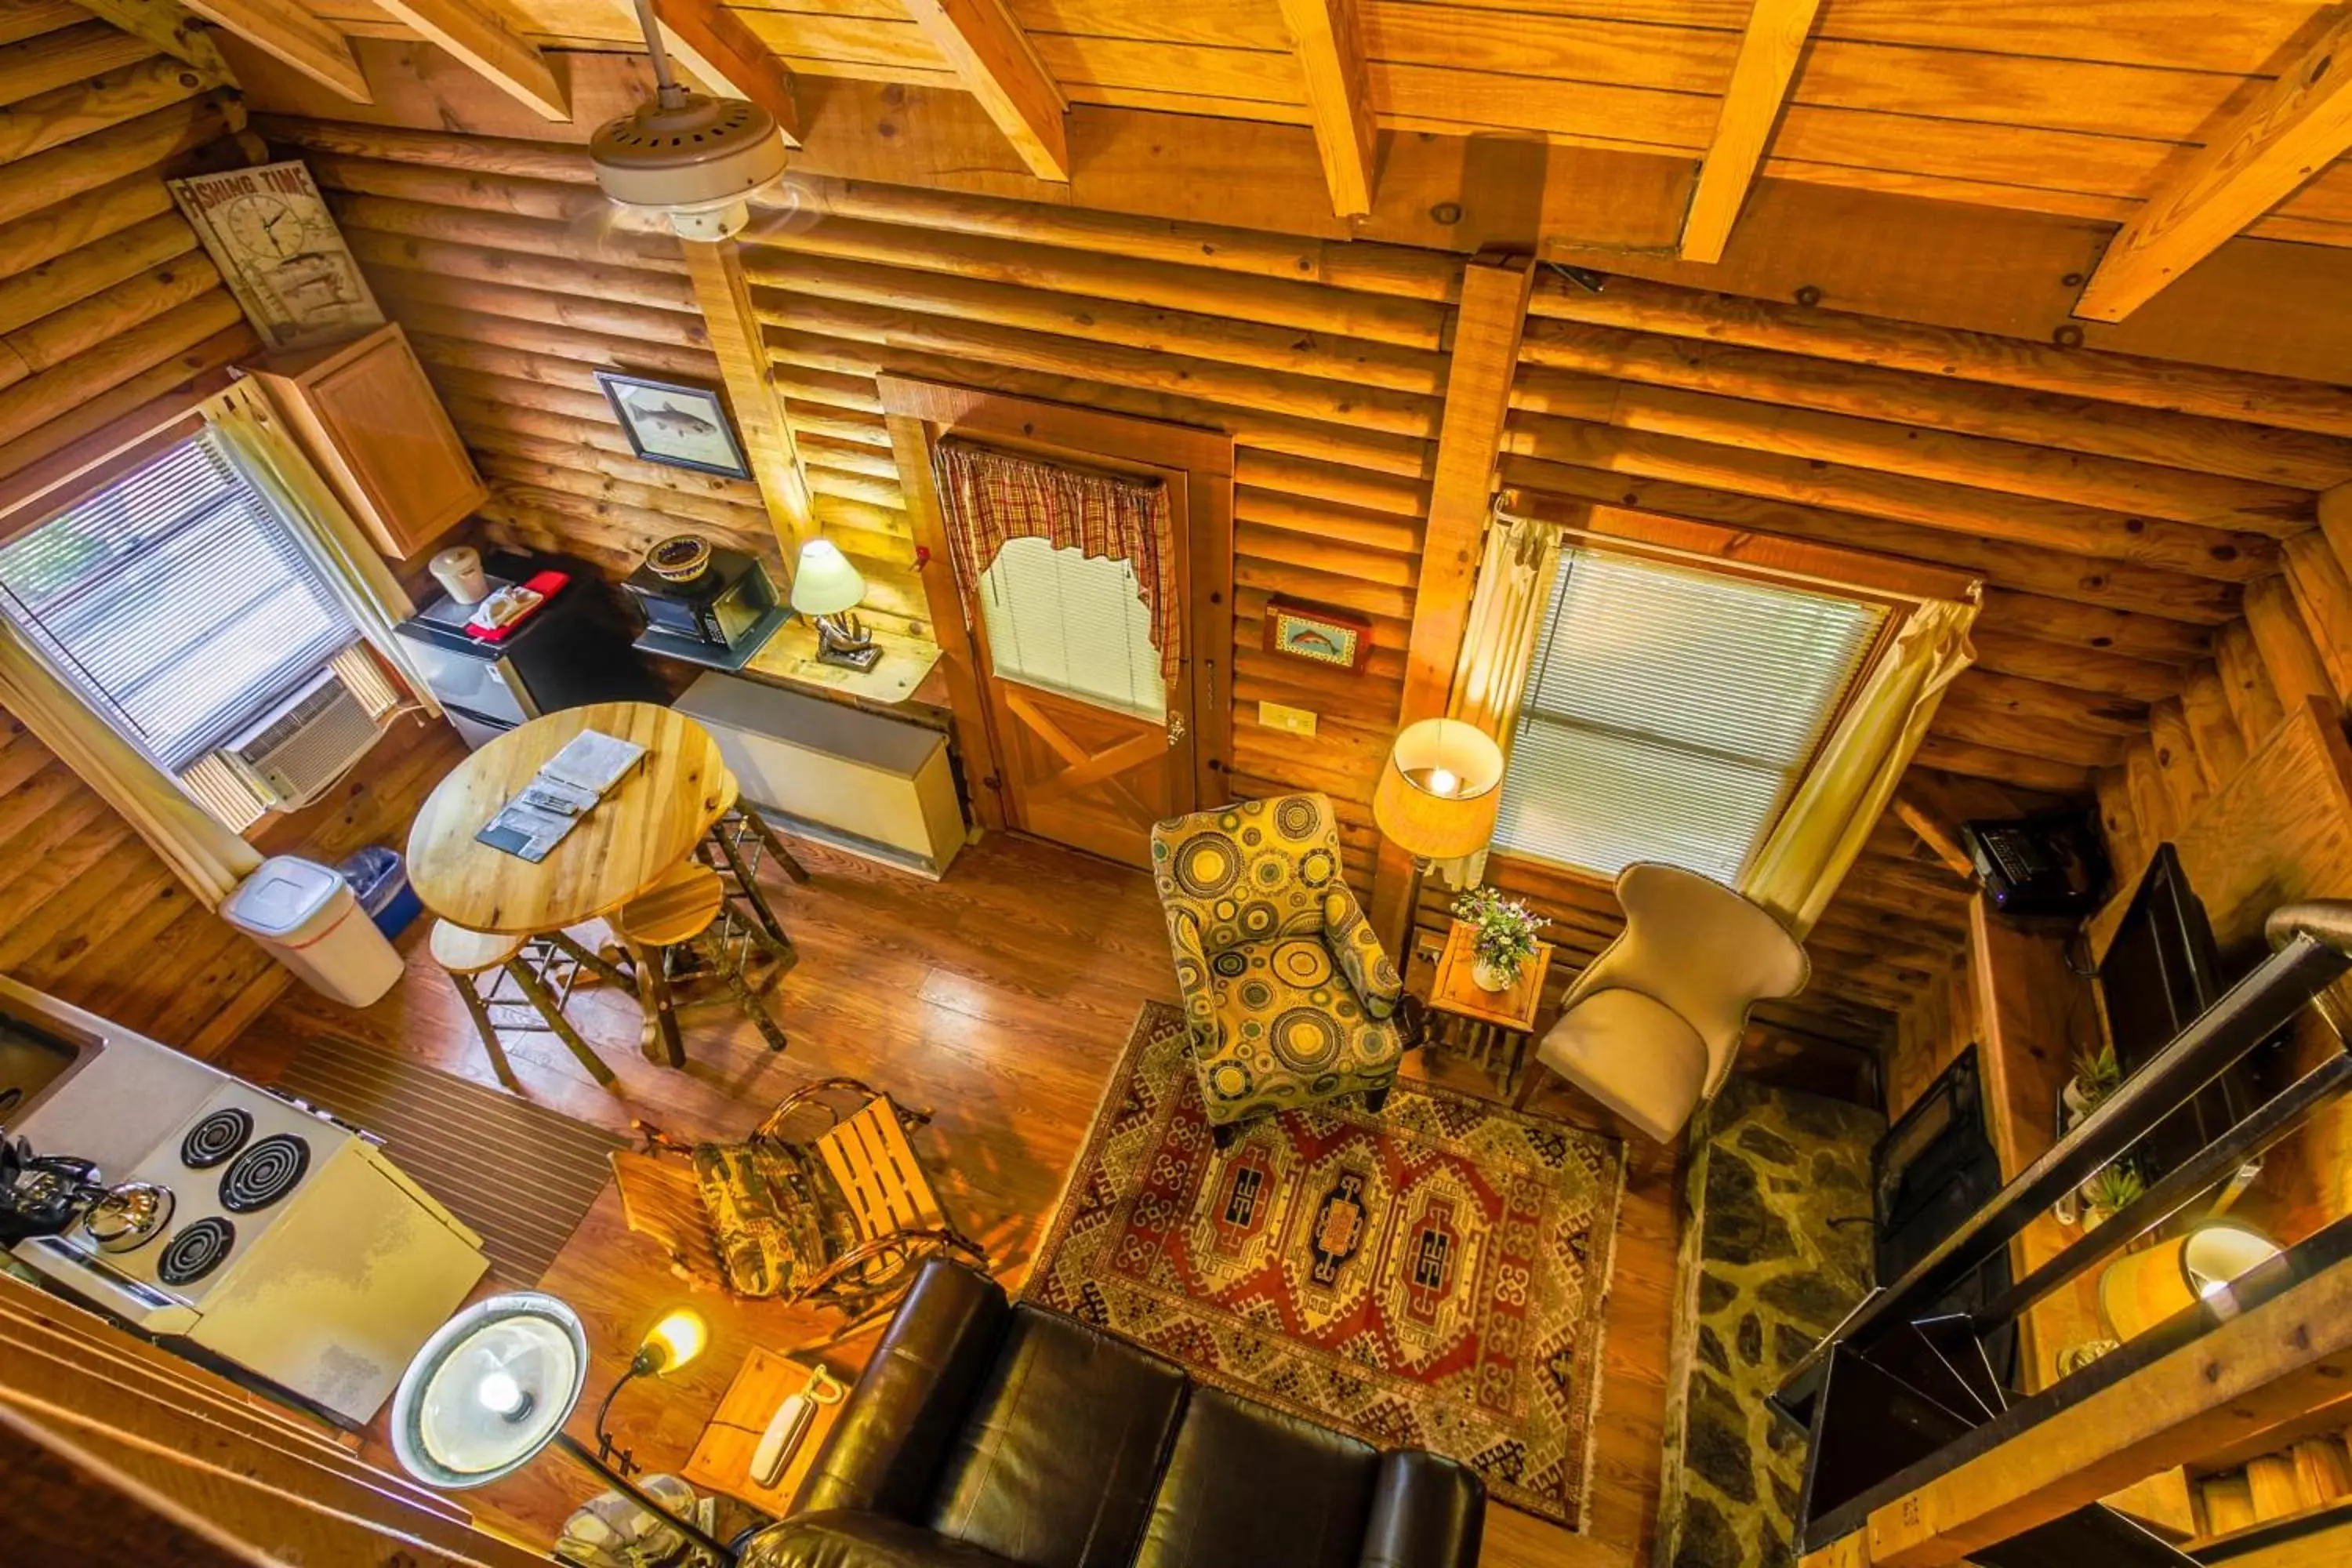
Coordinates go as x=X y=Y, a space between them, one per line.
x=368 y=418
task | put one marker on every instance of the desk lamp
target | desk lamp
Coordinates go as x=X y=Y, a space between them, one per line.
x=826 y=588
x=494 y=1385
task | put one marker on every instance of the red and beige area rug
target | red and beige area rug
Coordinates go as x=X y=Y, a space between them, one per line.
x=1431 y=1276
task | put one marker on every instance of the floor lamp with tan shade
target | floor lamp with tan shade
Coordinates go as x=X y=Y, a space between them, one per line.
x=1437 y=796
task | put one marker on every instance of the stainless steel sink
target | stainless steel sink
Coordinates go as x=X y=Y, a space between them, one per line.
x=32 y=1057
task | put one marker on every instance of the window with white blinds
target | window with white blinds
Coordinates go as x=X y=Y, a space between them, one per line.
x=1670 y=711
x=176 y=600
x=1078 y=627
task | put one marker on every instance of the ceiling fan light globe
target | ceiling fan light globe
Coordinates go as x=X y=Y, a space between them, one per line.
x=698 y=159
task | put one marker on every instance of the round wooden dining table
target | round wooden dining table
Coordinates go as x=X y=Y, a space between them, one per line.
x=643 y=830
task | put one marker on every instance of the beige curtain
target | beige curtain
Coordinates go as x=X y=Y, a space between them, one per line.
x=1839 y=801
x=251 y=428
x=209 y=860
x=1498 y=644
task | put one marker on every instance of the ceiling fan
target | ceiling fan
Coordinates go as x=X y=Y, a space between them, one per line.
x=693 y=158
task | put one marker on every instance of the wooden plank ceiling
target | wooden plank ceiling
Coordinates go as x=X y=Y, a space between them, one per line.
x=2188 y=122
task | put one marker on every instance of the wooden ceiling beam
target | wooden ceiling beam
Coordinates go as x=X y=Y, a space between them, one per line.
x=1768 y=52
x=1479 y=371
x=478 y=35
x=2300 y=124
x=1325 y=36
x=994 y=59
x=169 y=26
x=287 y=30
x=719 y=48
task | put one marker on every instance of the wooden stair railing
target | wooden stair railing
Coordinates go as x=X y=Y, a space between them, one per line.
x=2264 y=1370
x=124 y=1452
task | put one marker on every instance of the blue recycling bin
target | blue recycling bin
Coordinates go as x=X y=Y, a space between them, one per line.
x=379 y=880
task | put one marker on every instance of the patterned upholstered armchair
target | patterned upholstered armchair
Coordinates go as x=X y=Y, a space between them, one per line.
x=1288 y=995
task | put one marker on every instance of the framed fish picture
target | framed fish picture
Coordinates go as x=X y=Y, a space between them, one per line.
x=676 y=422
x=1317 y=634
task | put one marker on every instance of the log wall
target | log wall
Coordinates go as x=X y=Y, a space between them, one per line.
x=2120 y=512
x=107 y=306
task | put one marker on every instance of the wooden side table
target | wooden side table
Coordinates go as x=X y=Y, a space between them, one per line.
x=1485 y=1024
x=722 y=1458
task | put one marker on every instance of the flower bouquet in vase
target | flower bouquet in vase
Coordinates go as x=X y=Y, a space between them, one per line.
x=1503 y=936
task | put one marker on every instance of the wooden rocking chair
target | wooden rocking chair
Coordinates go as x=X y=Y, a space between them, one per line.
x=841 y=1218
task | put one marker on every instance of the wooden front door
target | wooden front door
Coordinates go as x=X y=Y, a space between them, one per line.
x=1084 y=774
x=1077 y=737
x=1093 y=743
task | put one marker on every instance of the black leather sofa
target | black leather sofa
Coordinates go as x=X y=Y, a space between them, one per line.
x=985 y=1433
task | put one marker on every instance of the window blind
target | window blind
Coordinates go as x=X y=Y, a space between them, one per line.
x=176 y=600
x=1670 y=711
x=1069 y=623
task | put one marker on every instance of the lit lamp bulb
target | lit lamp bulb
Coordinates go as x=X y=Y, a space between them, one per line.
x=1436 y=797
x=500 y=1394
x=670 y=1343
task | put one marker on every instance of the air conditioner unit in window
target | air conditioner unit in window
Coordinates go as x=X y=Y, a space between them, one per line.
x=294 y=753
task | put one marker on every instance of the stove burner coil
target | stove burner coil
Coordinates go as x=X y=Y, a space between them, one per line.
x=197 y=1251
x=216 y=1138
x=264 y=1173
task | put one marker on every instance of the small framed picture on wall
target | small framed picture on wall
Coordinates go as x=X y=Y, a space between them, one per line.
x=1317 y=633
x=676 y=422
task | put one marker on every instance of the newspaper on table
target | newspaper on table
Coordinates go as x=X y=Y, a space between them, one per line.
x=567 y=788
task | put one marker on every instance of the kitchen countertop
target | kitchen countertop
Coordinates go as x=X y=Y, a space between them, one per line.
x=904 y=683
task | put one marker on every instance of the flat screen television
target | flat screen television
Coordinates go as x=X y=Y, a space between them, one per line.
x=2161 y=971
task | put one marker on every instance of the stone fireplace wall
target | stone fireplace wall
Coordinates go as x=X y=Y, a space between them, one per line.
x=1763 y=1273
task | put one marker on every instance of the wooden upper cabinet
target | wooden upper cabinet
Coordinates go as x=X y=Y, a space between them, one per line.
x=369 y=419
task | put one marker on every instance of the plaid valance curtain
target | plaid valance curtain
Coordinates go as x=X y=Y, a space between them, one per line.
x=993 y=496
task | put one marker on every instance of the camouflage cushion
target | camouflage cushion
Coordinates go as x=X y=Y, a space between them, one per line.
x=776 y=1218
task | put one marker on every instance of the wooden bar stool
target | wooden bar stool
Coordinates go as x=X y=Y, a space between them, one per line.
x=529 y=963
x=733 y=848
x=689 y=911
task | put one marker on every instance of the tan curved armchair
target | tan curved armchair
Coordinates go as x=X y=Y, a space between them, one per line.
x=1650 y=1028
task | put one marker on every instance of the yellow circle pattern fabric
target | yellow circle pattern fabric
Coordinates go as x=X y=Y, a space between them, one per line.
x=1288 y=996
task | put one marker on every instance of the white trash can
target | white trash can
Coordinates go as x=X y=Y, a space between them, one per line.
x=308 y=918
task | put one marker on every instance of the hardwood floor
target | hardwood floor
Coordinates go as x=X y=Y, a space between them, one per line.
x=999 y=998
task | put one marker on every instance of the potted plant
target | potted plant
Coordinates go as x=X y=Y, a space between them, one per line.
x=2097 y=1076
x=2110 y=1188
x=1503 y=936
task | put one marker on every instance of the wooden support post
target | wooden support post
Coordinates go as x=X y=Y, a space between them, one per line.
x=1768 y=52
x=719 y=48
x=2298 y=125
x=1486 y=358
x=991 y=55
x=169 y=25
x=1330 y=51
x=287 y=29
x=478 y=35
x=716 y=269
x=2264 y=1367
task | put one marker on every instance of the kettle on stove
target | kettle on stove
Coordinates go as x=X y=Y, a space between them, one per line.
x=42 y=1195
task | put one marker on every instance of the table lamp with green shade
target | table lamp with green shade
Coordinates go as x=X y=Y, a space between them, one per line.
x=492 y=1388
